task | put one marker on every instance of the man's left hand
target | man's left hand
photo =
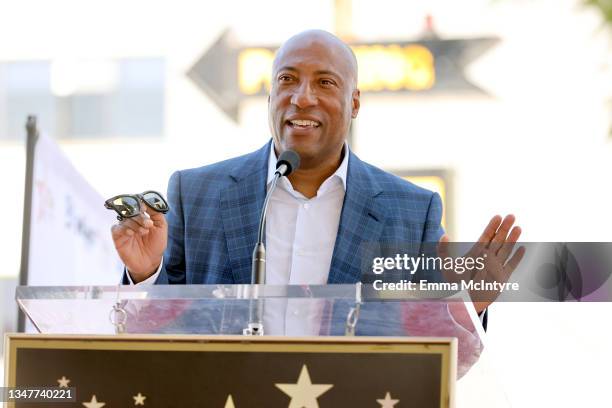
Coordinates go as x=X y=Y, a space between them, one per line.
x=495 y=245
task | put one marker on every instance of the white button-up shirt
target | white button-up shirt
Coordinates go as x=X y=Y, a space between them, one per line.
x=300 y=239
x=301 y=232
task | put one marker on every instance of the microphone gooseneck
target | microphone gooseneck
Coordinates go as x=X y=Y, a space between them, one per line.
x=287 y=162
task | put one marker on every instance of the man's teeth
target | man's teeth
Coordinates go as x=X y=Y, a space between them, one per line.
x=304 y=123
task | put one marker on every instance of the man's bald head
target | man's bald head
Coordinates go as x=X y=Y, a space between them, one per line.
x=313 y=38
x=313 y=99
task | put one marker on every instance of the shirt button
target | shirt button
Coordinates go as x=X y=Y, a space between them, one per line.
x=306 y=206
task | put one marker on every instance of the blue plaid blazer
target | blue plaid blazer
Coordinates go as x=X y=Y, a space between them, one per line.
x=214 y=214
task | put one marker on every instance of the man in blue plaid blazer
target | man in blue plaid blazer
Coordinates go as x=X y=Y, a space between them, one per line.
x=211 y=228
x=215 y=213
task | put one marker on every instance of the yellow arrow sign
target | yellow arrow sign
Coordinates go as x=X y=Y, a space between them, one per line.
x=390 y=67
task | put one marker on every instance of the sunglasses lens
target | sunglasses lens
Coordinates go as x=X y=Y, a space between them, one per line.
x=155 y=201
x=126 y=206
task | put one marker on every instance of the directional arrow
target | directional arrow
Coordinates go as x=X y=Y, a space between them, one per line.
x=228 y=73
x=216 y=73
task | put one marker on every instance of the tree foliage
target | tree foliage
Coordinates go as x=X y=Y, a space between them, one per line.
x=604 y=6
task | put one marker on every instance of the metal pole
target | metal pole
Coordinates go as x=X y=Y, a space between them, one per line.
x=32 y=138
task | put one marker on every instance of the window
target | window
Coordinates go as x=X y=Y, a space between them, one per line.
x=83 y=99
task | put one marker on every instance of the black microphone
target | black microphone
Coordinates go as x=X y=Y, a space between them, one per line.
x=288 y=162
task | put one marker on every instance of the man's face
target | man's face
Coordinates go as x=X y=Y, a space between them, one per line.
x=312 y=100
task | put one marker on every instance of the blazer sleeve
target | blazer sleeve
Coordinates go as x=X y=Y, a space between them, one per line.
x=433 y=231
x=174 y=266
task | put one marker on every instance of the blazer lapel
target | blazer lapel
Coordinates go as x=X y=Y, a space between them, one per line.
x=240 y=206
x=361 y=223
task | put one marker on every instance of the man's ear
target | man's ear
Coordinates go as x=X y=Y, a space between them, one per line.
x=356 y=103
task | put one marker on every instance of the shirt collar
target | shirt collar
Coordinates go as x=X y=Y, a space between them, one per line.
x=340 y=172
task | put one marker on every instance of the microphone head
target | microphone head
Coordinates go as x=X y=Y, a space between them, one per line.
x=290 y=159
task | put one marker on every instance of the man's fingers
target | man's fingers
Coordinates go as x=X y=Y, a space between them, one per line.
x=130 y=227
x=515 y=260
x=502 y=232
x=486 y=236
x=141 y=219
x=506 y=249
x=121 y=236
x=489 y=231
x=156 y=217
x=122 y=239
x=117 y=232
x=137 y=224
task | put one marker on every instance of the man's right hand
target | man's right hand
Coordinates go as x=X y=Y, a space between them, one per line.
x=140 y=242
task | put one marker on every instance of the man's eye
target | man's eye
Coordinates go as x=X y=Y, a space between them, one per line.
x=327 y=82
x=284 y=78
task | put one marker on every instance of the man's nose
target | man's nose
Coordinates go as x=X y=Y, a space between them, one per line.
x=303 y=96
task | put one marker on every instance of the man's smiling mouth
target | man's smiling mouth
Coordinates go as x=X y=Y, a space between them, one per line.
x=303 y=124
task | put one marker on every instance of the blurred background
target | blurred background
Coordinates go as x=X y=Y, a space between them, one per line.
x=515 y=118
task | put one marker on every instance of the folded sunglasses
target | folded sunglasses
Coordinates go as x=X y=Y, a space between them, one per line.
x=128 y=205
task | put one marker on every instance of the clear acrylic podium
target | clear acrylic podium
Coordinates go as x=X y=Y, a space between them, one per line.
x=295 y=311
x=326 y=310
